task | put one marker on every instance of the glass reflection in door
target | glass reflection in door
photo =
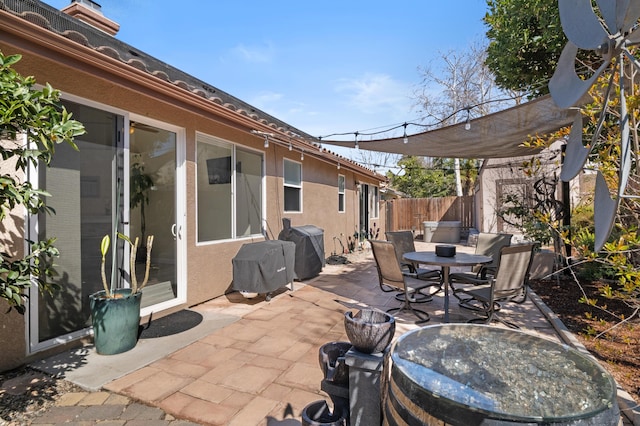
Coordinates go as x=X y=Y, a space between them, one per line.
x=82 y=184
x=152 y=208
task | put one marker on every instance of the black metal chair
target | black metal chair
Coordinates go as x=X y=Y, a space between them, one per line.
x=390 y=275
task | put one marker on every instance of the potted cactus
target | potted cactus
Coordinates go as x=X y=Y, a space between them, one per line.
x=115 y=312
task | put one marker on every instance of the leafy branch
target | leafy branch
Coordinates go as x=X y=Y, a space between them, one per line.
x=32 y=123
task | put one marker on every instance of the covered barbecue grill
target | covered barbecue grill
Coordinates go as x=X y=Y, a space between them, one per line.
x=309 y=242
x=264 y=267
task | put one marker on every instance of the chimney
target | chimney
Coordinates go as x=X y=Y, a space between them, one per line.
x=90 y=13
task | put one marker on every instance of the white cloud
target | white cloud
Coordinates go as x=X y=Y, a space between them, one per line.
x=268 y=102
x=373 y=102
x=255 y=54
x=373 y=93
x=265 y=98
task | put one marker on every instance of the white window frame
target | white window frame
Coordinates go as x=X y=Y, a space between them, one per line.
x=290 y=185
x=342 y=194
x=32 y=224
x=374 y=200
x=213 y=140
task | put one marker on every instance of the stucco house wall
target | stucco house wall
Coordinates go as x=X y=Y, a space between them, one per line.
x=11 y=323
x=100 y=76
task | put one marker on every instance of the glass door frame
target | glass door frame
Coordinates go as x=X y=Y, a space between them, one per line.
x=181 y=210
x=32 y=335
x=33 y=345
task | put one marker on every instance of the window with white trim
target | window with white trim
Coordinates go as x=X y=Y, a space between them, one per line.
x=292 y=186
x=374 y=202
x=229 y=190
x=341 y=193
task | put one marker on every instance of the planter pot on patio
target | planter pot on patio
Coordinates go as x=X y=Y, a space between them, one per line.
x=318 y=414
x=331 y=358
x=115 y=321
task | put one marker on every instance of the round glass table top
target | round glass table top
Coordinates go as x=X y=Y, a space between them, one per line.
x=497 y=370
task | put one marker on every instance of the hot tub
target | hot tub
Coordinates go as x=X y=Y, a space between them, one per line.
x=468 y=374
x=444 y=231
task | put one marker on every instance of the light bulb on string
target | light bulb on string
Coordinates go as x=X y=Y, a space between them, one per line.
x=338 y=166
x=467 y=124
x=405 y=138
x=302 y=155
x=290 y=147
x=266 y=141
x=357 y=146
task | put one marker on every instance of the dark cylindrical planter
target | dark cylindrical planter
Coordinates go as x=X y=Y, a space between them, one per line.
x=331 y=357
x=115 y=321
x=318 y=414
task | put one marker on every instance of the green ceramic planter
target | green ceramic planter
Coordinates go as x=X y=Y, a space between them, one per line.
x=115 y=321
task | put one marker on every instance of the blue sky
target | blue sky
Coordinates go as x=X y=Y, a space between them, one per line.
x=324 y=67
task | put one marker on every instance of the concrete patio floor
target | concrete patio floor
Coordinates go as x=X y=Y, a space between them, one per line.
x=252 y=361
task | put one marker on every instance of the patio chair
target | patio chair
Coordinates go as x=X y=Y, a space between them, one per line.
x=488 y=244
x=510 y=284
x=390 y=275
x=403 y=243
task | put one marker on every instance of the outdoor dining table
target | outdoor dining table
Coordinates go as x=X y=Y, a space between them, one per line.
x=460 y=259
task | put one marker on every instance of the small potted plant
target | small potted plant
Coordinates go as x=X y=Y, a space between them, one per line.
x=115 y=312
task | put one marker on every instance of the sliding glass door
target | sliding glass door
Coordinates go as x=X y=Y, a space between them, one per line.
x=83 y=186
x=152 y=208
x=120 y=176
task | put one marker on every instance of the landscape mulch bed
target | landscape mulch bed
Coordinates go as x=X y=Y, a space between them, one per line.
x=614 y=343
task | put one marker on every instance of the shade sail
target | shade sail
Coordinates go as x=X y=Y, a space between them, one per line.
x=497 y=135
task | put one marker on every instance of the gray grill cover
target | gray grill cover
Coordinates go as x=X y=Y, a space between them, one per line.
x=264 y=267
x=309 y=241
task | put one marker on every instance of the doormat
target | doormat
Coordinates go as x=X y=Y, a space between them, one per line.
x=171 y=324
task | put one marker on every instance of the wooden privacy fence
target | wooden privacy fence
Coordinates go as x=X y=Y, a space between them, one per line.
x=410 y=213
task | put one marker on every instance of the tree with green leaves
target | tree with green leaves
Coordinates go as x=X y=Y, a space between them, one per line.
x=32 y=123
x=526 y=40
x=420 y=179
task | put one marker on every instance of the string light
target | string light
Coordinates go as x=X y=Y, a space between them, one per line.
x=266 y=136
x=424 y=125
x=357 y=146
x=270 y=138
x=405 y=138
x=467 y=124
